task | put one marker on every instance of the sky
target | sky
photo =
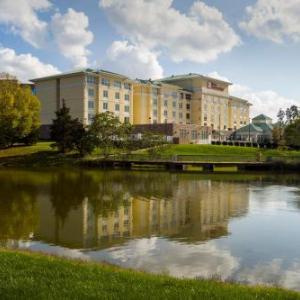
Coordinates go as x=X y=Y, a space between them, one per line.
x=255 y=44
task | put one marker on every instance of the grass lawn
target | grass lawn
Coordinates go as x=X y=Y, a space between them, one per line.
x=224 y=153
x=34 y=276
x=42 y=154
x=26 y=150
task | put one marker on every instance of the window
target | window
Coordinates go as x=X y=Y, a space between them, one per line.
x=165 y=103
x=188 y=116
x=188 y=106
x=91 y=79
x=155 y=101
x=126 y=120
x=105 y=82
x=174 y=104
x=165 y=113
x=126 y=97
x=117 y=96
x=181 y=96
x=188 y=97
x=127 y=86
x=90 y=118
x=105 y=105
x=194 y=135
x=174 y=114
x=205 y=117
x=180 y=115
x=91 y=92
x=117 y=84
x=155 y=113
x=105 y=94
x=91 y=104
x=126 y=108
x=180 y=105
x=117 y=107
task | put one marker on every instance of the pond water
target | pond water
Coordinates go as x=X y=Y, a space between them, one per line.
x=243 y=227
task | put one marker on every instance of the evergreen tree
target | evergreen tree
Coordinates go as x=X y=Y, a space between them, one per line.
x=70 y=134
x=65 y=130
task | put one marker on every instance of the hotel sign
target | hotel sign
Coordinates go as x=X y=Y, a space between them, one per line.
x=214 y=86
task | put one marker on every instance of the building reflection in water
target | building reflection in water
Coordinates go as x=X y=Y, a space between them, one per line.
x=191 y=211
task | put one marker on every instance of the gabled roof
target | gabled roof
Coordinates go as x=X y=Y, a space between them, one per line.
x=262 y=117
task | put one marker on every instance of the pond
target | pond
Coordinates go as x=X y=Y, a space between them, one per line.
x=237 y=227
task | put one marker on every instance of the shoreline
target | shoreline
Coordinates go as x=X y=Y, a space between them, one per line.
x=179 y=158
x=58 y=161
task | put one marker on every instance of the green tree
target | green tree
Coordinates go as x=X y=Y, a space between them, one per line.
x=295 y=112
x=84 y=141
x=277 y=135
x=66 y=131
x=292 y=134
x=108 y=132
x=19 y=113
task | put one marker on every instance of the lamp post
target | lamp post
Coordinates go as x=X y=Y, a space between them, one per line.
x=249 y=126
x=220 y=128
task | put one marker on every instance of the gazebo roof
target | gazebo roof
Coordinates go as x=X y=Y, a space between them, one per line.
x=253 y=128
x=262 y=117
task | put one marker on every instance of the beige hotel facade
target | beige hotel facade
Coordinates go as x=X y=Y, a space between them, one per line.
x=195 y=105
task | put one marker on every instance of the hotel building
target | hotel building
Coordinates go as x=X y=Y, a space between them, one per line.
x=85 y=92
x=211 y=104
x=188 y=108
x=156 y=103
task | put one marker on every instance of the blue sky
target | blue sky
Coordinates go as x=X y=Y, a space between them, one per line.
x=253 y=43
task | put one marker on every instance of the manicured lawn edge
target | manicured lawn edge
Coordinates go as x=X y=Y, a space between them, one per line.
x=42 y=155
x=25 y=275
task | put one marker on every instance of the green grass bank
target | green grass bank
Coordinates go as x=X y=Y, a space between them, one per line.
x=42 y=155
x=35 y=276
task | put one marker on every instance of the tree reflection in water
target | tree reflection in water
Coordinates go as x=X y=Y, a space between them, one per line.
x=18 y=210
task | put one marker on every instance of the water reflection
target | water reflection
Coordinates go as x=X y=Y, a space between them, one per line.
x=18 y=208
x=90 y=209
x=230 y=226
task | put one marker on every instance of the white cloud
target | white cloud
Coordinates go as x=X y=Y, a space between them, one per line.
x=24 y=66
x=274 y=20
x=200 y=36
x=133 y=60
x=267 y=101
x=159 y=255
x=22 y=18
x=272 y=273
x=70 y=32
